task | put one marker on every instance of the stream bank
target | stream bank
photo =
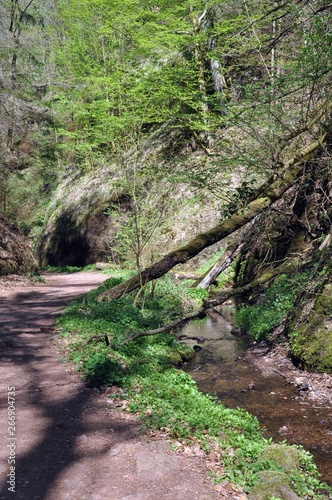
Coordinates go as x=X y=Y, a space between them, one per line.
x=290 y=404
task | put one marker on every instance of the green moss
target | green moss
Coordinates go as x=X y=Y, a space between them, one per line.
x=286 y=457
x=272 y=484
x=175 y=358
x=311 y=341
x=259 y=204
x=186 y=353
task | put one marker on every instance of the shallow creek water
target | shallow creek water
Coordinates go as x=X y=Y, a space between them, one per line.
x=286 y=415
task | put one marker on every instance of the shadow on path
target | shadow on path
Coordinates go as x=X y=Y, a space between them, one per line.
x=60 y=423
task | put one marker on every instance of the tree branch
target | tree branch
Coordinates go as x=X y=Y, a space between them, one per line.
x=285 y=268
x=262 y=198
x=103 y=336
x=223 y=263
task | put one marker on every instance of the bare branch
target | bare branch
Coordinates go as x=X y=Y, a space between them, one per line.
x=103 y=336
x=263 y=197
x=285 y=268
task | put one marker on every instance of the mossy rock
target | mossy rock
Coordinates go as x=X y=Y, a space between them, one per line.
x=284 y=456
x=311 y=340
x=187 y=353
x=272 y=484
x=175 y=358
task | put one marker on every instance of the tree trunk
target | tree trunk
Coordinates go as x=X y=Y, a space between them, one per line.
x=223 y=263
x=267 y=194
x=285 y=268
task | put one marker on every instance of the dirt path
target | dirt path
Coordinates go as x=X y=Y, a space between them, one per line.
x=68 y=443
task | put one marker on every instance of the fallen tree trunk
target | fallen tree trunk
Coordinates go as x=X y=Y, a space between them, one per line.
x=288 y=267
x=263 y=197
x=186 y=276
x=223 y=263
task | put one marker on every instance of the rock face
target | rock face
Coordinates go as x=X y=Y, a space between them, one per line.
x=312 y=333
x=16 y=256
x=87 y=211
x=77 y=230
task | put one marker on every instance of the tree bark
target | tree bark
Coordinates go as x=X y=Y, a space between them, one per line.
x=287 y=267
x=223 y=263
x=264 y=197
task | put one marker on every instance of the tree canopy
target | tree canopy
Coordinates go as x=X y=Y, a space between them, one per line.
x=247 y=84
x=199 y=66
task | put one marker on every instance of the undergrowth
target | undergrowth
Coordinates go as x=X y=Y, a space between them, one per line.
x=274 y=305
x=68 y=269
x=163 y=396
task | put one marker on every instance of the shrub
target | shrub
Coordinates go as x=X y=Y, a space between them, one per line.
x=277 y=301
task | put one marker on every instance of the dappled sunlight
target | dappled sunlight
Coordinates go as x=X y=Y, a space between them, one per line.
x=58 y=419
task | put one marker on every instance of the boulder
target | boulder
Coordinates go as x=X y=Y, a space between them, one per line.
x=272 y=484
x=16 y=256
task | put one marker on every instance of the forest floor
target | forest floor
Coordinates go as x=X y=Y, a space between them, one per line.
x=68 y=443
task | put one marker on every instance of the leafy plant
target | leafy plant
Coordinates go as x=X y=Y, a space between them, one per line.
x=197 y=293
x=164 y=397
x=273 y=307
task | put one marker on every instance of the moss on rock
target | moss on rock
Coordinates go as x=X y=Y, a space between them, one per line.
x=284 y=456
x=181 y=355
x=311 y=340
x=272 y=484
x=175 y=358
x=187 y=353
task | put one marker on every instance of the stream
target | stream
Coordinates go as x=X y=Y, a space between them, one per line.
x=285 y=414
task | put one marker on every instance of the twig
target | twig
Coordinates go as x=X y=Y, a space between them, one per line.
x=102 y=336
x=279 y=373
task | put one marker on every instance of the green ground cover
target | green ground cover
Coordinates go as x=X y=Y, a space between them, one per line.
x=164 y=396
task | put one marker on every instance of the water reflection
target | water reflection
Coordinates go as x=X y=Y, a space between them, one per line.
x=219 y=370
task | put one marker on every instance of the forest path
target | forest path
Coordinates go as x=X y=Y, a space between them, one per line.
x=68 y=443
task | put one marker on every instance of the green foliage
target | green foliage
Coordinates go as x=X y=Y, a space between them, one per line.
x=164 y=397
x=63 y=269
x=120 y=318
x=197 y=293
x=69 y=269
x=139 y=68
x=204 y=268
x=240 y=198
x=276 y=302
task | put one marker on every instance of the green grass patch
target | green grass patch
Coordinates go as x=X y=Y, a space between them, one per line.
x=117 y=272
x=165 y=397
x=274 y=305
x=68 y=269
